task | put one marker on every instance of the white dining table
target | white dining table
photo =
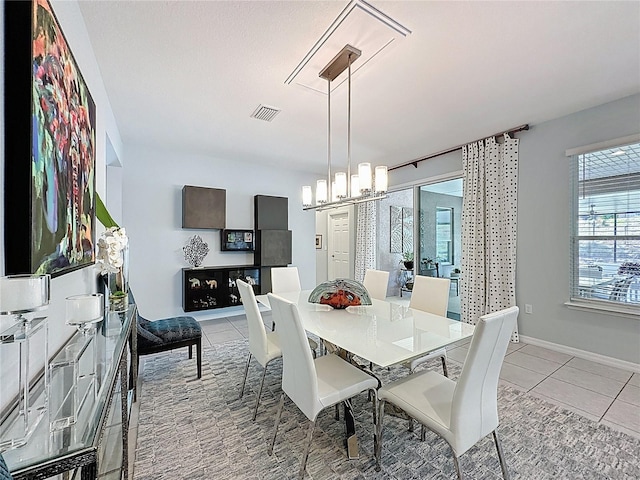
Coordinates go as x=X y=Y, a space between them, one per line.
x=384 y=333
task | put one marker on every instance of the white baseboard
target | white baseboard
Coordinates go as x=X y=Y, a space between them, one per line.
x=594 y=357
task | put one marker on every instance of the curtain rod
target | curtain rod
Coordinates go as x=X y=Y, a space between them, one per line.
x=444 y=152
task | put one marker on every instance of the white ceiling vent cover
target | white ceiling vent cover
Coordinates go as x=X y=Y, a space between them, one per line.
x=265 y=112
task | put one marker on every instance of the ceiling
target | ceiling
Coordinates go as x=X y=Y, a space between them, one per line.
x=187 y=75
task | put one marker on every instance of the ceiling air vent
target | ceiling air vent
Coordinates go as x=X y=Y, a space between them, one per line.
x=265 y=112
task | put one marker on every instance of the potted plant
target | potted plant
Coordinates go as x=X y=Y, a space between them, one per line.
x=407 y=259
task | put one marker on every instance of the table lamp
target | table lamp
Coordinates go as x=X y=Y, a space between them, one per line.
x=21 y=294
x=84 y=311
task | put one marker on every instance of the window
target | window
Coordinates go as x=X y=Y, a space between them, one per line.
x=444 y=235
x=605 y=246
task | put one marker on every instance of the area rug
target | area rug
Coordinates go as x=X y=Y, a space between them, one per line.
x=193 y=428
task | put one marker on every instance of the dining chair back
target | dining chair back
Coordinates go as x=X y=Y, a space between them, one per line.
x=299 y=376
x=285 y=279
x=312 y=384
x=430 y=294
x=376 y=281
x=461 y=412
x=263 y=346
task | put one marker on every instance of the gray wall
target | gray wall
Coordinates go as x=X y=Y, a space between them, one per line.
x=544 y=227
x=542 y=268
x=152 y=189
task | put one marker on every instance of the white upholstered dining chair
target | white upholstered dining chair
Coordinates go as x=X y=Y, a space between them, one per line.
x=287 y=279
x=312 y=384
x=263 y=346
x=376 y=281
x=461 y=412
x=431 y=295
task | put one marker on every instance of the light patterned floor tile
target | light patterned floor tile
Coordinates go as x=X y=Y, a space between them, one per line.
x=530 y=362
x=216 y=338
x=523 y=377
x=630 y=394
x=588 y=401
x=568 y=406
x=600 y=369
x=590 y=381
x=218 y=325
x=545 y=353
x=624 y=414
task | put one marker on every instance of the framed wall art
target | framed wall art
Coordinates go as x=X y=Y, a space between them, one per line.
x=50 y=141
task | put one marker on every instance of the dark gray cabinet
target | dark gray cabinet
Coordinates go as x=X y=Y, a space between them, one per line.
x=205 y=288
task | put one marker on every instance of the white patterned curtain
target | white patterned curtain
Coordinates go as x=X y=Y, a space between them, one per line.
x=366 y=234
x=489 y=215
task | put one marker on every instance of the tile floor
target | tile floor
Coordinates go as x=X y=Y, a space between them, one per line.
x=604 y=394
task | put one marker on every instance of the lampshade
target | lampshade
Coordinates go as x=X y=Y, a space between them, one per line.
x=307 y=196
x=364 y=176
x=321 y=192
x=341 y=185
x=334 y=196
x=84 y=308
x=23 y=293
x=355 y=186
x=382 y=179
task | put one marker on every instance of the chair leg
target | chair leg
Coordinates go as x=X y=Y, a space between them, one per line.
x=244 y=380
x=503 y=462
x=377 y=443
x=275 y=427
x=374 y=395
x=423 y=433
x=410 y=418
x=444 y=366
x=307 y=447
x=199 y=357
x=190 y=351
x=255 y=410
x=456 y=463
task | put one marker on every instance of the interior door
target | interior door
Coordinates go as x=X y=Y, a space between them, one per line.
x=338 y=246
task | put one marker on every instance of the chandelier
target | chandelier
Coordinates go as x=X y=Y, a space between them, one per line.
x=344 y=189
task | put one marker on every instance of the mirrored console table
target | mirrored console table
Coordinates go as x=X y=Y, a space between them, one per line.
x=88 y=380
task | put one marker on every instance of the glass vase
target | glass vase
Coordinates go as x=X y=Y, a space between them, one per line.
x=118 y=284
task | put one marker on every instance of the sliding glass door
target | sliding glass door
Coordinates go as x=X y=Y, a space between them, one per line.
x=439 y=235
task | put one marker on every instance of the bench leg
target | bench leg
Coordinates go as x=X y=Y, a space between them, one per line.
x=199 y=357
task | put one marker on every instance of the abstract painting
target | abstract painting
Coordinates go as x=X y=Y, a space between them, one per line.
x=59 y=181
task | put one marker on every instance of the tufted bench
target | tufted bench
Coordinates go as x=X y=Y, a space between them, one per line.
x=167 y=334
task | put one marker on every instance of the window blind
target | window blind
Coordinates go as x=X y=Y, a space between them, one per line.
x=605 y=240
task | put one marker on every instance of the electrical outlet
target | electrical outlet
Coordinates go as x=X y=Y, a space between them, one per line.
x=528 y=308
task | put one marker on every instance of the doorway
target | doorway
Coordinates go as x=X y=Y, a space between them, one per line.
x=439 y=231
x=340 y=240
